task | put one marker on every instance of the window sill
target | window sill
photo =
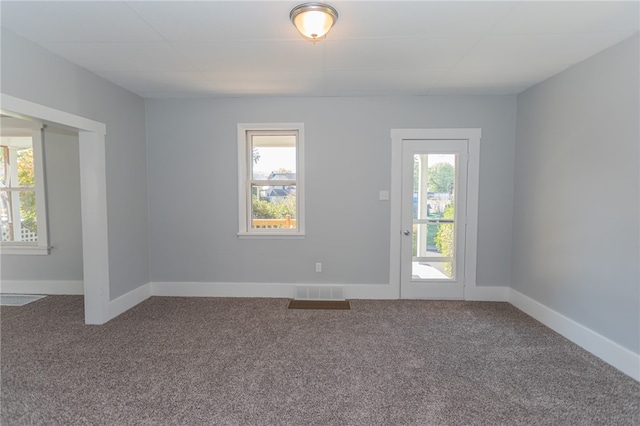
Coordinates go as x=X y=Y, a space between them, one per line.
x=270 y=235
x=24 y=249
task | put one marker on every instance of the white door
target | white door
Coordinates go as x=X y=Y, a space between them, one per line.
x=433 y=218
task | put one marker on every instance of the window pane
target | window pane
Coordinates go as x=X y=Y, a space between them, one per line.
x=433 y=185
x=28 y=217
x=18 y=219
x=4 y=166
x=430 y=239
x=432 y=270
x=273 y=207
x=26 y=176
x=5 y=216
x=273 y=157
x=7 y=234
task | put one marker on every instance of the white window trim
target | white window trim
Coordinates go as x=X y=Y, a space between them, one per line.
x=41 y=247
x=244 y=230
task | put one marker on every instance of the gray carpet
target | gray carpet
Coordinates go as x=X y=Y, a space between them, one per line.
x=199 y=361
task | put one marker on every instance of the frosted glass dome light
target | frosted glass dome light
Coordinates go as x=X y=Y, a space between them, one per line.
x=313 y=20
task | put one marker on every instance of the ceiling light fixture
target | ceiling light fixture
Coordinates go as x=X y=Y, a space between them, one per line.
x=313 y=20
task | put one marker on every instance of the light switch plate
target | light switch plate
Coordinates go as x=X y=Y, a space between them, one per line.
x=384 y=196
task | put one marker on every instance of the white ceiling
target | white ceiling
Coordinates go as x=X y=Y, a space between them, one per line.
x=379 y=48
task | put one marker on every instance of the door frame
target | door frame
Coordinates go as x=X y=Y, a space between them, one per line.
x=473 y=136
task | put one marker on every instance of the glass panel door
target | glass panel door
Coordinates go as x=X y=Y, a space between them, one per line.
x=433 y=206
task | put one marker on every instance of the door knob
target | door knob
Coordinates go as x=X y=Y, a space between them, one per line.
x=406 y=232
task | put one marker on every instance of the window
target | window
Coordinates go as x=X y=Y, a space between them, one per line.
x=23 y=219
x=271 y=180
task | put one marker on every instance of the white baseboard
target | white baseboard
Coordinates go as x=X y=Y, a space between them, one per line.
x=352 y=291
x=610 y=352
x=271 y=290
x=215 y=289
x=42 y=287
x=197 y=289
x=487 y=294
x=128 y=301
x=370 y=291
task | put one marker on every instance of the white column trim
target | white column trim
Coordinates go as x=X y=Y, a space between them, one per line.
x=93 y=189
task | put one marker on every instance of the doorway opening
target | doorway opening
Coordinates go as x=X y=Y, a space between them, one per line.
x=93 y=198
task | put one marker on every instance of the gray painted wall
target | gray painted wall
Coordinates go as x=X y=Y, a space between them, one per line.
x=30 y=72
x=63 y=189
x=576 y=209
x=193 y=200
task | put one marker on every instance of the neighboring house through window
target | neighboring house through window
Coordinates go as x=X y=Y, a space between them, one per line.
x=23 y=220
x=270 y=179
